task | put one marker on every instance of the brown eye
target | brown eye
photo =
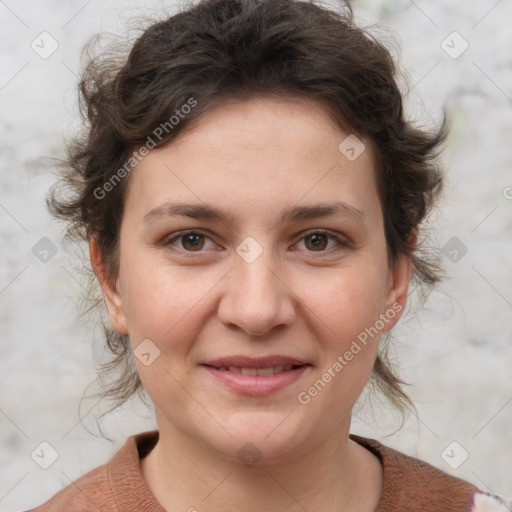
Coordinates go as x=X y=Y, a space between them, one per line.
x=318 y=241
x=323 y=242
x=192 y=242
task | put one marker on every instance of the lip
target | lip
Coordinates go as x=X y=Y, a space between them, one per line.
x=257 y=385
x=255 y=362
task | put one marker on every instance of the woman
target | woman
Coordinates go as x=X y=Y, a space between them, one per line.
x=252 y=198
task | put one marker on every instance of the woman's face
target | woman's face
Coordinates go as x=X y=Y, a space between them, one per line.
x=283 y=263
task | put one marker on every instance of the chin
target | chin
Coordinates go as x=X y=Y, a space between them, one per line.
x=263 y=438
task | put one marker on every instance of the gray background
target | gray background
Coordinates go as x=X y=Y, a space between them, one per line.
x=457 y=352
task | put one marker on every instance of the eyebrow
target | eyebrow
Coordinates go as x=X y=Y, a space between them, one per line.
x=204 y=211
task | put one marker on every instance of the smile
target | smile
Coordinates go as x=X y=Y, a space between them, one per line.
x=262 y=372
x=257 y=381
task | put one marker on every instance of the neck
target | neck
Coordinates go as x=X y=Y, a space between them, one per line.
x=183 y=474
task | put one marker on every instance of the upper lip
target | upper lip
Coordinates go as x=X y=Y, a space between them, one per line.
x=255 y=362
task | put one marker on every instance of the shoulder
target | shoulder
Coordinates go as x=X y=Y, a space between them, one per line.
x=114 y=486
x=416 y=486
x=89 y=493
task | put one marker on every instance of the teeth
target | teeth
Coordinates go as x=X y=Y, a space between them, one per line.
x=250 y=371
x=253 y=372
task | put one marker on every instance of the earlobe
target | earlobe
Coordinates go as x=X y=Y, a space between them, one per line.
x=111 y=296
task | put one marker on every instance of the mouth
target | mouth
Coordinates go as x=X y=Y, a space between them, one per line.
x=256 y=376
x=260 y=372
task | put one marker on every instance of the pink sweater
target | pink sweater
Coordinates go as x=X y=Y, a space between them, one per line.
x=410 y=485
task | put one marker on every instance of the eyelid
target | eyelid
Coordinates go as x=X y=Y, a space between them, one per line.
x=167 y=242
x=342 y=241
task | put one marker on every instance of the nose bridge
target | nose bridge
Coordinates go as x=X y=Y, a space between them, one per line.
x=254 y=258
x=256 y=277
x=256 y=298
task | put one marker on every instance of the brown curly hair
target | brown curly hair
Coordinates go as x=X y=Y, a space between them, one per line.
x=218 y=50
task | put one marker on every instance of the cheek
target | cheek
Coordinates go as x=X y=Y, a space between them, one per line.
x=345 y=315
x=347 y=301
x=346 y=308
x=166 y=305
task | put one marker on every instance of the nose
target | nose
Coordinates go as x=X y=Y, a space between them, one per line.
x=256 y=298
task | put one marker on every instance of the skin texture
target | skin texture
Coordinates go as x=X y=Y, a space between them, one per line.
x=255 y=159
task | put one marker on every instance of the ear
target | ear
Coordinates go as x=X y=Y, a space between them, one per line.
x=111 y=296
x=399 y=277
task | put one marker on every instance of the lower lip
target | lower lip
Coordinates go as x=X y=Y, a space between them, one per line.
x=257 y=385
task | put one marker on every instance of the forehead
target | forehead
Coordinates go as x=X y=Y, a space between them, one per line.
x=264 y=122
x=256 y=152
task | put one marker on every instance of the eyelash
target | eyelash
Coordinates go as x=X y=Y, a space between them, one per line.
x=343 y=243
